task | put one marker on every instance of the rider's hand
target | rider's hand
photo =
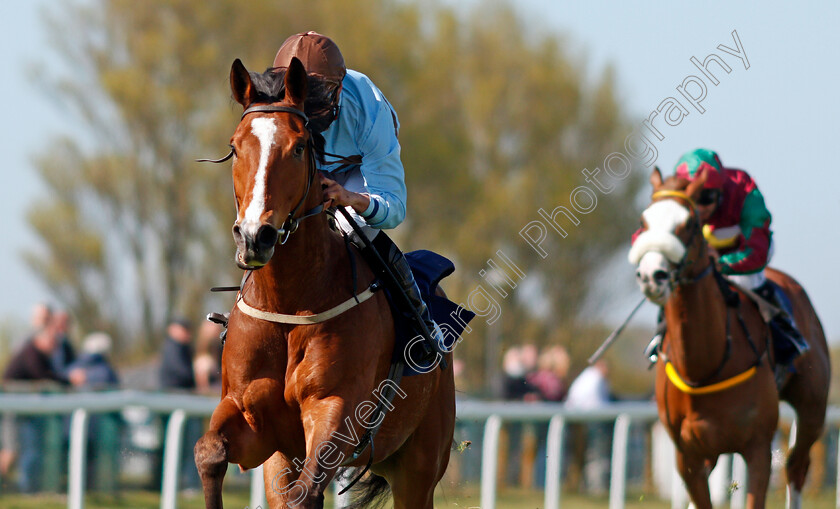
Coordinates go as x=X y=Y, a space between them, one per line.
x=336 y=195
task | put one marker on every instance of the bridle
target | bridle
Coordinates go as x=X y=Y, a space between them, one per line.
x=291 y=223
x=677 y=278
x=676 y=275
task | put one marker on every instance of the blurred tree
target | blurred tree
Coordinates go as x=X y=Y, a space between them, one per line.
x=497 y=121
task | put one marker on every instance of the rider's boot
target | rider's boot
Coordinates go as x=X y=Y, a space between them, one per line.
x=392 y=255
x=788 y=341
x=652 y=349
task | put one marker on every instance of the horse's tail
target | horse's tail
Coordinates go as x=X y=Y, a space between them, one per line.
x=371 y=491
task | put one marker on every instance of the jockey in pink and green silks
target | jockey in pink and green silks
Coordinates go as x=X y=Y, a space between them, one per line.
x=736 y=224
x=736 y=220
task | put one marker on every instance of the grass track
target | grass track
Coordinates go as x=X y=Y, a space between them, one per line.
x=461 y=498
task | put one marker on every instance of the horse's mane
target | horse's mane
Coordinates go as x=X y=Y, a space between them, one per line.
x=270 y=87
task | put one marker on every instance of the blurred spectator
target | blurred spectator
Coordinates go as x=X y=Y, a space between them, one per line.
x=176 y=373
x=591 y=388
x=528 y=354
x=592 y=441
x=93 y=363
x=516 y=365
x=40 y=316
x=64 y=353
x=176 y=369
x=550 y=381
x=458 y=368
x=33 y=361
x=208 y=360
x=103 y=453
x=550 y=378
x=30 y=364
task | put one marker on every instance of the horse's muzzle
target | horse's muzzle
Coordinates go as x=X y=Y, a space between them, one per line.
x=254 y=250
x=653 y=278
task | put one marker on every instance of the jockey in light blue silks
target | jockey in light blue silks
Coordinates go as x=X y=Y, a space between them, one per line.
x=362 y=170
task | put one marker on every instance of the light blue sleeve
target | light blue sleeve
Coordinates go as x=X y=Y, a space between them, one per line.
x=381 y=165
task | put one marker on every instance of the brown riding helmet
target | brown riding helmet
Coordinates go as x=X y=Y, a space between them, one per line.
x=318 y=53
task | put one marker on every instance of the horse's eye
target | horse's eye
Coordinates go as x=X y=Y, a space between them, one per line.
x=299 y=150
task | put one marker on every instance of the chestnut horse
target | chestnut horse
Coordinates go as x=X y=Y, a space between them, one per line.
x=715 y=387
x=296 y=398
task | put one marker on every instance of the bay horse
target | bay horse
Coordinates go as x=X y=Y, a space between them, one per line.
x=715 y=386
x=297 y=397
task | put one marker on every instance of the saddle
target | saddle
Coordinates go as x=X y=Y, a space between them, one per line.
x=429 y=268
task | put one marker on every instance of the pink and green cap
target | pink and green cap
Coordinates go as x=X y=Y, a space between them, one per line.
x=693 y=163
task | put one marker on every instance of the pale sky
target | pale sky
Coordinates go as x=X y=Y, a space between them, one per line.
x=777 y=119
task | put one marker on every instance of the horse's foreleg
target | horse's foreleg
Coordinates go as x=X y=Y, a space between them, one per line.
x=211 y=460
x=694 y=473
x=282 y=487
x=329 y=443
x=758 y=474
x=229 y=439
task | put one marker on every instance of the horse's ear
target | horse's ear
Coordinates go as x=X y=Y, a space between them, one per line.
x=656 y=178
x=296 y=82
x=696 y=186
x=240 y=84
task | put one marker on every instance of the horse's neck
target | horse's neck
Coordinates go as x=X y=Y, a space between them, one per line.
x=302 y=272
x=696 y=320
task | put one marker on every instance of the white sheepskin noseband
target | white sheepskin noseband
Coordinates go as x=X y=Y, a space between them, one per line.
x=662 y=218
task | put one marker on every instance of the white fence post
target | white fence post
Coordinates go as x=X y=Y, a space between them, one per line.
x=679 y=493
x=739 y=476
x=79 y=405
x=720 y=480
x=554 y=461
x=77 y=463
x=618 y=472
x=489 y=461
x=257 y=489
x=172 y=459
x=791 y=443
x=837 y=481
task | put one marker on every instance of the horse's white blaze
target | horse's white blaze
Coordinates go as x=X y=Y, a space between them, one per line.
x=663 y=218
x=264 y=129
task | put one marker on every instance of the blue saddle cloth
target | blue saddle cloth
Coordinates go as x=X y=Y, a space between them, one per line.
x=429 y=268
x=784 y=300
x=782 y=343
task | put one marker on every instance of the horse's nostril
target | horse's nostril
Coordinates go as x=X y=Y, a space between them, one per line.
x=237 y=232
x=266 y=236
x=660 y=276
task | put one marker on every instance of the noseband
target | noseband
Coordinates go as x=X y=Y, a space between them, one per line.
x=290 y=225
x=676 y=275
